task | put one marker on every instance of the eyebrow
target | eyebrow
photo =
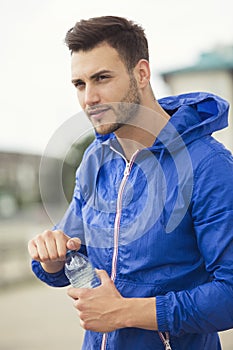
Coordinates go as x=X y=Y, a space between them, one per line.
x=95 y=75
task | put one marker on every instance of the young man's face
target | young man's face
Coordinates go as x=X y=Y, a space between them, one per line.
x=101 y=79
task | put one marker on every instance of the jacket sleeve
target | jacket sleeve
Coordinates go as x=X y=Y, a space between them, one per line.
x=208 y=307
x=72 y=225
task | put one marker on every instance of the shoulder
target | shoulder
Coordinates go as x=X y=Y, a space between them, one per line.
x=212 y=177
x=207 y=153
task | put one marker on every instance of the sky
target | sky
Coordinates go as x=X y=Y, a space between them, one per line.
x=36 y=96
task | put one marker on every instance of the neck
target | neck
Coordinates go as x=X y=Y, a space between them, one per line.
x=143 y=129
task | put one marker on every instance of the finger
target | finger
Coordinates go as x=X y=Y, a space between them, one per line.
x=41 y=249
x=73 y=244
x=103 y=276
x=49 y=239
x=74 y=293
x=52 y=249
x=61 y=245
x=79 y=293
x=32 y=249
x=55 y=242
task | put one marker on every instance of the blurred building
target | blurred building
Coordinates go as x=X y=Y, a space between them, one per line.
x=213 y=72
x=20 y=181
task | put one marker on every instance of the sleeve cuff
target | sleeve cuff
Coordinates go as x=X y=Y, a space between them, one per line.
x=57 y=279
x=161 y=313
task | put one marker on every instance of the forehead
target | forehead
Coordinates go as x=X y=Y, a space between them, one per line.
x=103 y=57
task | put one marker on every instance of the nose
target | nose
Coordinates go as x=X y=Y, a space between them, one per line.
x=91 y=96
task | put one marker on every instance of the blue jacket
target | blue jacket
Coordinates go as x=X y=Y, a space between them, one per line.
x=161 y=225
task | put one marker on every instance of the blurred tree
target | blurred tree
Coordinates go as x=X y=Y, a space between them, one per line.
x=72 y=161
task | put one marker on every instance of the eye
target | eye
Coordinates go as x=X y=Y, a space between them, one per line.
x=79 y=84
x=102 y=77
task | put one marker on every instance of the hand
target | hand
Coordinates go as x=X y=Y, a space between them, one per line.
x=50 y=249
x=101 y=309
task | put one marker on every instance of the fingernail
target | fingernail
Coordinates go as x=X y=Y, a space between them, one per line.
x=72 y=245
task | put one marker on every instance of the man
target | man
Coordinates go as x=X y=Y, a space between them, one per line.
x=152 y=206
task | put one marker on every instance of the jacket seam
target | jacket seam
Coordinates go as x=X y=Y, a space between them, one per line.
x=202 y=164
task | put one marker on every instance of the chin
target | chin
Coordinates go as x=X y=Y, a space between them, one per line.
x=107 y=128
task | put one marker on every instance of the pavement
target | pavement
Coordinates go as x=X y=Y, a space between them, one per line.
x=38 y=317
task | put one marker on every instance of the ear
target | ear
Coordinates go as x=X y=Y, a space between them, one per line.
x=142 y=73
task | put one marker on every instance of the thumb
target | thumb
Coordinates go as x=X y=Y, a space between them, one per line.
x=73 y=244
x=103 y=276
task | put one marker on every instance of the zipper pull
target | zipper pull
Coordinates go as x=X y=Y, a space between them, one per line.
x=127 y=169
x=167 y=345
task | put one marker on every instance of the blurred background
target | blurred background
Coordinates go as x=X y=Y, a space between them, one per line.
x=191 y=49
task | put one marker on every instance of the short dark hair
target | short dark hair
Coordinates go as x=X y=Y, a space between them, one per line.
x=125 y=36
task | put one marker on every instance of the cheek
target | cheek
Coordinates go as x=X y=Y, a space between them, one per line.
x=80 y=98
x=114 y=93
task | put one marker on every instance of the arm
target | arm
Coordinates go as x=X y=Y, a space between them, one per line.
x=208 y=307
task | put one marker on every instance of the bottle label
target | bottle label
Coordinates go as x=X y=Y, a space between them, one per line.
x=80 y=272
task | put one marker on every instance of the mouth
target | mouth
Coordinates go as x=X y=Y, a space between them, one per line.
x=97 y=113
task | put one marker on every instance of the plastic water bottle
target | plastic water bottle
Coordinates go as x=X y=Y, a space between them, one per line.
x=79 y=271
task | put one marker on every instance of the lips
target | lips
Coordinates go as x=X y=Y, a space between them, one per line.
x=98 y=113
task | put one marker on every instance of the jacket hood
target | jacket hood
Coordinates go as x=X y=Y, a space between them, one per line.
x=193 y=116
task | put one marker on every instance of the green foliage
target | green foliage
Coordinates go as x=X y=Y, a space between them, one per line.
x=71 y=162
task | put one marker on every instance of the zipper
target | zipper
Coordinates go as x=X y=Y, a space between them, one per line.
x=118 y=218
x=127 y=170
x=104 y=341
x=165 y=340
x=128 y=167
